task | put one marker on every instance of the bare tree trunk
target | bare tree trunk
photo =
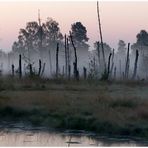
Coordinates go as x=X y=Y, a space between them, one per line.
x=127 y=63
x=57 y=60
x=69 y=72
x=68 y=59
x=76 y=73
x=108 y=69
x=98 y=51
x=43 y=69
x=135 y=66
x=20 y=66
x=115 y=73
x=99 y=21
x=106 y=73
x=85 y=73
x=12 y=66
x=40 y=67
x=66 y=64
x=111 y=71
x=30 y=67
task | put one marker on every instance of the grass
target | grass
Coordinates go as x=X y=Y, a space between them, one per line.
x=115 y=108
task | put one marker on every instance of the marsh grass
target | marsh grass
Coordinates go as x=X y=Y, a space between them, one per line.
x=105 y=107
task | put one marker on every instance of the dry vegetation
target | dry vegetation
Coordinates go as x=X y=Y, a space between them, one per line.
x=103 y=107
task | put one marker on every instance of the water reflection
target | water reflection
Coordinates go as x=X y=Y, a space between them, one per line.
x=19 y=136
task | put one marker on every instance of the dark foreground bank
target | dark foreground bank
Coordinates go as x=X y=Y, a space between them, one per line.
x=119 y=108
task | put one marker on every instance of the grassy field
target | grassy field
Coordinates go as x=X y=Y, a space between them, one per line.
x=115 y=108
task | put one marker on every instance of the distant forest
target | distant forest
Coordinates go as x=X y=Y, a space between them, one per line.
x=45 y=51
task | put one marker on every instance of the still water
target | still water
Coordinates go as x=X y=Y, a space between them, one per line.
x=19 y=135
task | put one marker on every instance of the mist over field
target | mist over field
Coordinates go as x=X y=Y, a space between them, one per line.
x=74 y=68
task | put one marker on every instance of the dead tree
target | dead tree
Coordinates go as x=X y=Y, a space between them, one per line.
x=20 y=66
x=40 y=35
x=57 y=60
x=108 y=67
x=43 y=69
x=111 y=71
x=76 y=73
x=127 y=63
x=101 y=38
x=68 y=60
x=12 y=67
x=69 y=72
x=85 y=73
x=66 y=57
x=40 y=67
x=135 y=65
x=98 y=51
x=30 y=69
x=115 y=69
x=106 y=73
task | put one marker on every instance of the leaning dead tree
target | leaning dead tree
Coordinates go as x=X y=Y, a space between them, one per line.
x=76 y=72
x=135 y=65
x=101 y=38
x=57 y=60
x=127 y=63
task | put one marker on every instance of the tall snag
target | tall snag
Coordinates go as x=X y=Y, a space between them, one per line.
x=40 y=33
x=40 y=67
x=66 y=57
x=108 y=68
x=12 y=67
x=85 y=73
x=76 y=73
x=127 y=63
x=30 y=69
x=43 y=69
x=101 y=38
x=98 y=51
x=115 y=69
x=20 y=66
x=112 y=66
x=57 y=60
x=106 y=73
x=135 y=65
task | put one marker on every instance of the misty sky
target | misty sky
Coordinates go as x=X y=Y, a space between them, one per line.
x=120 y=20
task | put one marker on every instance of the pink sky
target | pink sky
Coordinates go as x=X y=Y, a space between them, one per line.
x=120 y=20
